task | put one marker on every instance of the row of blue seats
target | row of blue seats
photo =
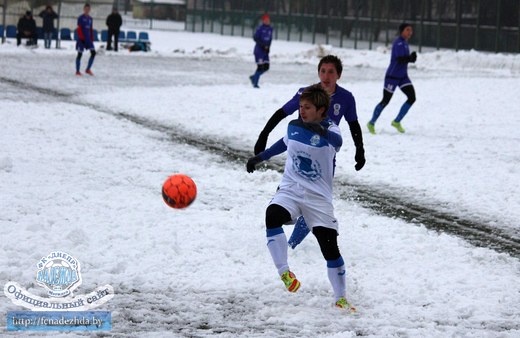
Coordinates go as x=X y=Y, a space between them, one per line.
x=66 y=34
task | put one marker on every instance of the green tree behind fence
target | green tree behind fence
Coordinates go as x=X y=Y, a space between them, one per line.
x=487 y=25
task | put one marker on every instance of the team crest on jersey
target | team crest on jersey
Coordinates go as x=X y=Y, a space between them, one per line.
x=305 y=166
x=315 y=140
x=337 y=108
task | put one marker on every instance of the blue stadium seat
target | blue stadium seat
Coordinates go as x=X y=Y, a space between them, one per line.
x=10 y=31
x=104 y=35
x=131 y=36
x=96 y=35
x=143 y=36
x=65 y=34
x=2 y=31
x=122 y=36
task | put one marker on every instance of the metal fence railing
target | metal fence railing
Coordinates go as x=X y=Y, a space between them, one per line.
x=488 y=25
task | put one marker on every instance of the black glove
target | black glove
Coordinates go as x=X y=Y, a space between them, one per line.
x=316 y=127
x=413 y=57
x=252 y=162
x=261 y=143
x=266 y=49
x=360 y=158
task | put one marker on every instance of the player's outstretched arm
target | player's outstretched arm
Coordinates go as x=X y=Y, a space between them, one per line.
x=261 y=143
x=357 y=136
x=276 y=149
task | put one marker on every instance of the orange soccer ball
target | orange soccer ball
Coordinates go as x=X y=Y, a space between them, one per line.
x=179 y=191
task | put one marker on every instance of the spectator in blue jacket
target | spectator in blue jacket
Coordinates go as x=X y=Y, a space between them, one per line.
x=397 y=76
x=48 y=15
x=262 y=37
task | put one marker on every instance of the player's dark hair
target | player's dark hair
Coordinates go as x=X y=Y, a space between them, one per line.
x=334 y=60
x=316 y=95
x=403 y=26
x=86 y=5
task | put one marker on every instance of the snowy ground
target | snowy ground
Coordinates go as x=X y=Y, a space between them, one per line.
x=74 y=177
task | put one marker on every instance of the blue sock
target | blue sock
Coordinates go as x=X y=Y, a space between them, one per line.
x=299 y=233
x=404 y=109
x=377 y=111
x=256 y=76
x=78 y=63
x=90 y=61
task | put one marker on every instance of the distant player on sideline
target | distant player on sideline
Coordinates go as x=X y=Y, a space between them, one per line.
x=85 y=40
x=262 y=37
x=306 y=189
x=397 y=76
x=342 y=104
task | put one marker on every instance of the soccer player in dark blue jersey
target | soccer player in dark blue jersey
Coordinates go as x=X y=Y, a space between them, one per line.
x=397 y=76
x=342 y=105
x=85 y=40
x=262 y=37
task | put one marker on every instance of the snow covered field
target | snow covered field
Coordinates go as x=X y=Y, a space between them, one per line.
x=75 y=177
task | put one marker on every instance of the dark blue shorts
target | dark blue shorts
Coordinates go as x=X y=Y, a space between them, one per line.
x=80 y=46
x=261 y=56
x=391 y=83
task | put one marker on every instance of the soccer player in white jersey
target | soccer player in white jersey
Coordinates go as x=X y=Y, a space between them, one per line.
x=306 y=189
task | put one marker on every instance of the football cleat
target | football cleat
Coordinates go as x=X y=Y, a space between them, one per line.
x=78 y=73
x=290 y=281
x=371 y=128
x=398 y=126
x=89 y=72
x=343 y=304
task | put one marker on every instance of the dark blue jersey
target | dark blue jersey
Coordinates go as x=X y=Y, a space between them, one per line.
x=263 y=36
x=398 y=69
x=85 y=29
x=342 y=104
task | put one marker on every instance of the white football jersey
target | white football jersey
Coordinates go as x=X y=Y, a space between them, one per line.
x=310 y=158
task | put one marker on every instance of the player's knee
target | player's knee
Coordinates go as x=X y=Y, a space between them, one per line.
x=92 y=53
x=266 y=67
x=387 y=96
x=411 y=99
x=78 y=57
x=276 y=216
x=327 y=239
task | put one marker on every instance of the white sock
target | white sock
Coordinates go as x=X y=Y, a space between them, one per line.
x=336 y=272
x=277 y=245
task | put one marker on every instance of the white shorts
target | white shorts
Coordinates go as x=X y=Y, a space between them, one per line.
x=315 y=209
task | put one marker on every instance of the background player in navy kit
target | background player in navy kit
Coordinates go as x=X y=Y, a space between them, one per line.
x=262 y=37
x=342 y=105
x=306 y=189
x=85 y=39
x=397 y=76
